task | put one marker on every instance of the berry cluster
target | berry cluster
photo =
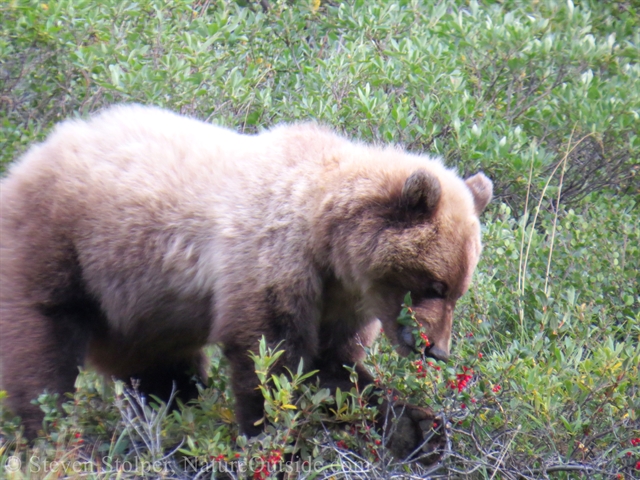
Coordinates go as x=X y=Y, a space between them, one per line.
x=267 y=465
x=342 y=444
x=421 y=371
x=462 y=379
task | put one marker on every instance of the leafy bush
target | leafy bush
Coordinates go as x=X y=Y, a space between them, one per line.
x=540 y=95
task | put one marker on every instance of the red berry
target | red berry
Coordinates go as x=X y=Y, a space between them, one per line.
x=480 y=355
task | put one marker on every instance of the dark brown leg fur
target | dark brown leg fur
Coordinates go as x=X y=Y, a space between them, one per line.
x=249 y=400
x=46 y=317
x=285 y=319
x=406 y=427
x=412 y=432
x=40 y=350
x=183 y=376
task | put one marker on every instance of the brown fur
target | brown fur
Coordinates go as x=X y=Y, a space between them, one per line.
x=133 y=239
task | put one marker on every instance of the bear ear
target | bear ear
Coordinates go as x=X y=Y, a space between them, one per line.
x=421 y=191
x=482 y=189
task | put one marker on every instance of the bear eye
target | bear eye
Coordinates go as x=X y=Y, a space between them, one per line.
x=435 y=290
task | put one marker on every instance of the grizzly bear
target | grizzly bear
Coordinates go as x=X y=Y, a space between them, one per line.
x=131 y=240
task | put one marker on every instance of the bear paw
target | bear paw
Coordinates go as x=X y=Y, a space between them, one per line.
x=414 y=434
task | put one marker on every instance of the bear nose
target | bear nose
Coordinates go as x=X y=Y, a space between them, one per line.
x=437 y=353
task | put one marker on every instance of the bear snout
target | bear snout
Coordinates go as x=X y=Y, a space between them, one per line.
x=432 y=351
x=436 y=353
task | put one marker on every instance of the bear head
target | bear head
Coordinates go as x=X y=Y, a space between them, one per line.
x=412 y=227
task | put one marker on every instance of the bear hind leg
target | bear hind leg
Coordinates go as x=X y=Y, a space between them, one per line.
x=40 y=350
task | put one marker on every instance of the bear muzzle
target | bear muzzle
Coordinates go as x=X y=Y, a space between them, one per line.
x=436 y=352
x=432 y=351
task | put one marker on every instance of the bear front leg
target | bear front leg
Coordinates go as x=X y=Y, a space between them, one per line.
x=411 y=432
x=282 y=314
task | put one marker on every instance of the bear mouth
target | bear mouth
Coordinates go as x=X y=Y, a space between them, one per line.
x=405 y=335
x=407 y=340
